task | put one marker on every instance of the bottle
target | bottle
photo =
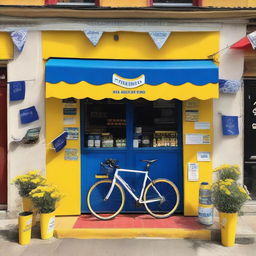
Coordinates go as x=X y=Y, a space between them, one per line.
x=205 y=209
x=90 y=141
x=97 y=141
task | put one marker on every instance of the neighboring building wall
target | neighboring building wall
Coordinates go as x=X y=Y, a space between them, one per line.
x=28 y=66
x=229 y=149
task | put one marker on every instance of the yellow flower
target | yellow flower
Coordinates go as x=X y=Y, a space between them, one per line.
x=38 y=195
x=36 y=172
x=228 y=192
x=55 y=195
x=35 y=181
x=241 y=189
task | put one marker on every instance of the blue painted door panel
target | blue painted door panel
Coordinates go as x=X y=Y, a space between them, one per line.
x=169 y=164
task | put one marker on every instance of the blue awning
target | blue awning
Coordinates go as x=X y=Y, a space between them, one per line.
x=131 y=79
x=98 y=72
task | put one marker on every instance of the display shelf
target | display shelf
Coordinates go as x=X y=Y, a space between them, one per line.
x=157 y=148
x=103 y=149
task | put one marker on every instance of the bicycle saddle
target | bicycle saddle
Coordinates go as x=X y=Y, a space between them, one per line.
x=149 y=161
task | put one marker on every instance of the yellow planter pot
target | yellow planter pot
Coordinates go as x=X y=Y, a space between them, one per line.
x=228 y=222
x=25 y=224
x=28 y=207
x=47 y=223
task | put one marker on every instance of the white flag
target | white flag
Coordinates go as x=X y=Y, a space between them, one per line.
x=19 y=38
x=252 y=39
x=93 y=36
x=159 y=38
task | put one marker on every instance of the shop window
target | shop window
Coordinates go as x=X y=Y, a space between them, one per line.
x=105 y=124
x=155 y=124
x=133 y=124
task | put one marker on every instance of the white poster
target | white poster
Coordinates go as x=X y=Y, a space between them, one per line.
x=203 y=157
x=69 y=120
x=193 y=172
x=202 y=126
x=197 y=139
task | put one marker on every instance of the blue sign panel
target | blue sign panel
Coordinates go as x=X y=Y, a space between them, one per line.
x=17 y=90
x=28 y=115
x=60 y=142
x=230 y=125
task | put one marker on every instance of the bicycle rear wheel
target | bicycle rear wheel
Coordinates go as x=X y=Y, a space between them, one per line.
x=169 y=192
x=101 y=208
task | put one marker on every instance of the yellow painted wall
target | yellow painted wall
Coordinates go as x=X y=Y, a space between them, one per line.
x=180 y=45
x=191 y=188
x=6 y=46
x=64 y=173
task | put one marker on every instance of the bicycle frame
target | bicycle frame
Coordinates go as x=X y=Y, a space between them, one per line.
x=128 y=188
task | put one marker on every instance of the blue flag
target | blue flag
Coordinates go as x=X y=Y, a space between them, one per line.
x=230 y=125
x=60 y=142
x=229 y=86
x=28 y=115
x=17 y=90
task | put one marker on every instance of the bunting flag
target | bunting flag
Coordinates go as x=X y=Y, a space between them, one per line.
x=229 y=86
x=230 y=125
x=17 y=90
x=28 y=115
x=60 y=142
x=247 y=41
x=159 y=38
x=19 y=38
x=93 y=36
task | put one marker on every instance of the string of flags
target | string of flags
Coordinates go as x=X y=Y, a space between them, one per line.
x=159 y=38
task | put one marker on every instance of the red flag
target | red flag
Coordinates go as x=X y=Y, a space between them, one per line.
x=244 y=42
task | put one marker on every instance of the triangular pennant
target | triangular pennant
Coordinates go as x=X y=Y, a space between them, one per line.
x=93 y=36
x=159 y=38
x=19 y=38
x=252 y=39
x=242 y=43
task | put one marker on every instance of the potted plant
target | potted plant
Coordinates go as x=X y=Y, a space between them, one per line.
x=228 y=198
x=44 y=199
x=25 y=184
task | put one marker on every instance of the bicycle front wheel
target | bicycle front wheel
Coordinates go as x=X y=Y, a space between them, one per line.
x=169 y=194
x=99 y=206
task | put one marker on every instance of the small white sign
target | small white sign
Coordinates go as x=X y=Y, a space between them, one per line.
x=202 y=126
x=197 y=139
x=193 y=172
x=51 y=224
x=69 y=120
x=193 y=139
x=203 y=157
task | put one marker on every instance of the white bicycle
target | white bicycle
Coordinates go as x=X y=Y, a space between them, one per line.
x=106 y=198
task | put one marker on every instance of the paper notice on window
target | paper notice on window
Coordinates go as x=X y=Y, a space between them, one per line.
x=193 y=172
x=203 y=157
x=202 y=126
x=197 y=139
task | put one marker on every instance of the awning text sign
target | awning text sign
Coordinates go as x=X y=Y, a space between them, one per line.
x=128 y=83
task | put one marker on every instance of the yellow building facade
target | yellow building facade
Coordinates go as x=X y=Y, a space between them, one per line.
x=130 y=46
